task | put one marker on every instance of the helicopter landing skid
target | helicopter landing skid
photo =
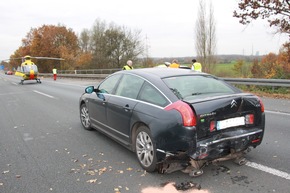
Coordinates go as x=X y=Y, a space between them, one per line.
x=37 y=80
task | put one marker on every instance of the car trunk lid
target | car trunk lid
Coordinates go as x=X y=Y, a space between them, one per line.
x=218 y=114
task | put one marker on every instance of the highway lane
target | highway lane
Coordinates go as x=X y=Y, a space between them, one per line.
x=43 y=148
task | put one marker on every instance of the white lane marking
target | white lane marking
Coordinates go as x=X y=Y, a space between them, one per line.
x=75 y=84
x=277 y=112
x=269 y=170
x=43 y=94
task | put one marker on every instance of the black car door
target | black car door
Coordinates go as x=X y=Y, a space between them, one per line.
x=121 y=105
x=99 y=101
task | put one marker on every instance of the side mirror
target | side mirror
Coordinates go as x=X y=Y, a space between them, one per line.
x=89 y=89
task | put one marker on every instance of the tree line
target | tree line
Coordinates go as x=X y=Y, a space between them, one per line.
x=103 y=46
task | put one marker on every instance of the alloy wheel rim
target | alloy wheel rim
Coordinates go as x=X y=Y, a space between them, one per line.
x=144 y=149
x=85 y=117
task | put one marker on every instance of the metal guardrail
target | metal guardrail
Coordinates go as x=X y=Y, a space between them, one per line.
x=89 y=71
x=259 y=82
x=103 y=73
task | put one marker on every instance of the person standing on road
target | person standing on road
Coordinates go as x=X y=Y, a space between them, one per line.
x=174 y=64
x=54 y=71
x=196 y=65
x=128 y=66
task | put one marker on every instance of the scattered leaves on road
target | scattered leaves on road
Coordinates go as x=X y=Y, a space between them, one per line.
x=83 y=166
x=91 y=172
x=92 y=181
x=5 y=172
x=144 y=173
x=120 y=171
x=102 y=170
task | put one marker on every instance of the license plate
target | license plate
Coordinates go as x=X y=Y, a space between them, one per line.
x=233 y=122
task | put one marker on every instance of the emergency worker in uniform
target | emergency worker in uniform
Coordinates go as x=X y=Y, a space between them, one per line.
x=129 y=65
x=54 y=71
x=165 y=65
x=196 y=66
x=174 y=64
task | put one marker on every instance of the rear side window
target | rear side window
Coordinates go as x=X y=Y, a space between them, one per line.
x=129 y=86
x=197 y=86
x=151 y=95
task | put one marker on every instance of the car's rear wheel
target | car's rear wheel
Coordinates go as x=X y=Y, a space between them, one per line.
x=85 y=118
x=145 y=149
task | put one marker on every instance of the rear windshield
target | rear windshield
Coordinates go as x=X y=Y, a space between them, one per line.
x=197 y=86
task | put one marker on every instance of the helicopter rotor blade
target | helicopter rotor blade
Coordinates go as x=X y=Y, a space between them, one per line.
x=48 y=58
x=12 y=59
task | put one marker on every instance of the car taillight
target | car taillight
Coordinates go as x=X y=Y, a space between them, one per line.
x=249 y=119
x=262 y=105
x=188 y=116
x=212 y=126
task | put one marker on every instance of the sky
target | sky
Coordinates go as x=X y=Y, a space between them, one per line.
x=167 y=26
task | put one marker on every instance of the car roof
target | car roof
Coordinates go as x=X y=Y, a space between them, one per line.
x=162 y=72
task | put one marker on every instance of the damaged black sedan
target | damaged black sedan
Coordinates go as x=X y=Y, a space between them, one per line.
x=174 y=119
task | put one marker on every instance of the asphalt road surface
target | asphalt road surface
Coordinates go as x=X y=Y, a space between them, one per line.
x=44 y=149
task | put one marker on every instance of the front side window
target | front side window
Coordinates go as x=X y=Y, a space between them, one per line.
x=197 y=86
x=108 y=85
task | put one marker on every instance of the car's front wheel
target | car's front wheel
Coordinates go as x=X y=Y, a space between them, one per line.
x=145 y=149
x=85 y=118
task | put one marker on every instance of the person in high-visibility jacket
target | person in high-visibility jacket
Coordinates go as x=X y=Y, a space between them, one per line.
x=129 y=65
x=196 y=66
x=54 y=71
x=174 y=64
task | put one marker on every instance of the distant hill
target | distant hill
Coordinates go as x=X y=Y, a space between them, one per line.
x=220 y=58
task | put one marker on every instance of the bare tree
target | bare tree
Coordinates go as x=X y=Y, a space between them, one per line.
x=97 y=43
x=211 y=41
x=84 y=40
x=200 y=34
x=205 y=36
x=112 y=45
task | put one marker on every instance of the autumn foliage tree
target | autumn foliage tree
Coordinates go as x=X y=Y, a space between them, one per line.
x=238 y=67
x=272 y=66
x=284 y=61
x=51 y=41
x=277 y=13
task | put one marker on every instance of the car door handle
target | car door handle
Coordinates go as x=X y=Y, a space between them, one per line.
x=127 y=108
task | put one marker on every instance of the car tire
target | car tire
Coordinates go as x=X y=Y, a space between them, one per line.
x=145 y=149
x=85 y=118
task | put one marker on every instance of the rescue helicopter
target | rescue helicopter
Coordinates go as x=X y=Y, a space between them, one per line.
x=28 y=70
